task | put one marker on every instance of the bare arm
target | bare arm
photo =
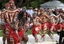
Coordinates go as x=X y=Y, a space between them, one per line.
x=16 y=31
x=2 y=16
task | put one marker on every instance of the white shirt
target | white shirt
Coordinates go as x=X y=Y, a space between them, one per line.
x=30 y=12
x=1 y=21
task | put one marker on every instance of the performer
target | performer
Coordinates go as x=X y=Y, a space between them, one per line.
x=45 y=24
x=36 y=27
x=52 y=23
x=10 y=19
x=61 y=31
x=22 y=19
x=51 y=26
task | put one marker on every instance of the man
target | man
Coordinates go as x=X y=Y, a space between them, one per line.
x=44 y=24
x=36 y=27
x=22 y=19
x=61 y=31
x=35 y=12
x=30 y=11
x=52 y=23
x=9 y=17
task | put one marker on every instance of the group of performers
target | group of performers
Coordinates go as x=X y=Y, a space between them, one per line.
x=48 y=22
x=16 y=24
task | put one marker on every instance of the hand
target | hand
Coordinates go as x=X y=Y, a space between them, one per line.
x=18 y=43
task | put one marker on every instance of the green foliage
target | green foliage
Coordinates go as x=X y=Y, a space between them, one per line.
x=36 y=3
x=1 y=33
x=33 y=3
x=2 y=4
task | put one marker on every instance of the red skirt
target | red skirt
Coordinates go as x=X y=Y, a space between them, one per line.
x=47 y=26
x=62 y=25
x=57 y=27
x=36 y=29
x=13 y=34
x=50 y=26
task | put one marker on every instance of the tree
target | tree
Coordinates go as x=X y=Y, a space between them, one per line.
x=27 y=3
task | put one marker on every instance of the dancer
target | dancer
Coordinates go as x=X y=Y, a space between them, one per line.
x=10 y=18
x=36 y=27
x=44 y=24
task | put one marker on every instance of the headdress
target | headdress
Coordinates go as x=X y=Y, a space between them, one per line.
x=7 y=5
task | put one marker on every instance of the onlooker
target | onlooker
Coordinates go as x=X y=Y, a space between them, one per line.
x=30 y=11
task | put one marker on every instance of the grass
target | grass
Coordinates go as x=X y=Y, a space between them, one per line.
x=0 y=33
x=29 y=32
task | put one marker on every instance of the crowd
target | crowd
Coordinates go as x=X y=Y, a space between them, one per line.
x=16 y=22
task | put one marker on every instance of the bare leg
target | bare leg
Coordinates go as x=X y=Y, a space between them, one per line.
x=35 y=36
x=8 y=41
x=4 y=38
x=43 y=36
x=25 y=39
x=4 y=34
x=36 y=39
x=51 y=35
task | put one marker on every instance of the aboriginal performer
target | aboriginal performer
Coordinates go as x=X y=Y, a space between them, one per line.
x=44 y=24
x=10 y=19
x=51 y=22
x=61 y=30
x=22 y=19
x=51 y=26
x=36 y=27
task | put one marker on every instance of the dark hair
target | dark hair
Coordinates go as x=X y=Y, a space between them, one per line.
x=21 y=14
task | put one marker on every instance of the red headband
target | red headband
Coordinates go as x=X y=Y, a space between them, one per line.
x=7 y=5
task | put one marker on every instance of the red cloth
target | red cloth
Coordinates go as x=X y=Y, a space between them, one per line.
x=42 y=25
x=7 y=5
x=36 y=29
x=57 y=27
x=13 y=34
x=47 y=25
x=50 y=25
x=62 y=25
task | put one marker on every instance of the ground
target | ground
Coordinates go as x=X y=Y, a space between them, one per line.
x=47 y=39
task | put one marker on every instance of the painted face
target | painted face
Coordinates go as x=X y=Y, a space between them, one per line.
x=50 y=10
x=12 y=4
